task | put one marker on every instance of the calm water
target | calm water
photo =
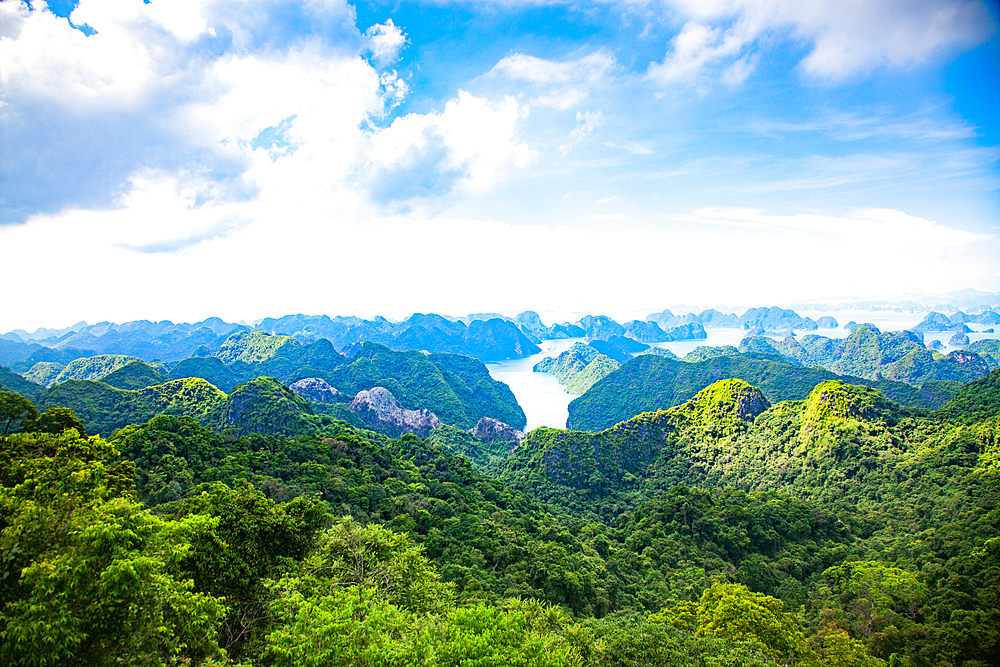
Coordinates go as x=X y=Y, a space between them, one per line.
x=545 y=403
x=541 y=396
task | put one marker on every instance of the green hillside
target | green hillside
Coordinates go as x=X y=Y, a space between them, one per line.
x=44 y=373
x=264 y=405
x=253 y=347
x=213 y=370
x=134 y=375
x=578 y=368
x=10 y=381
x=649 y=383
x=93 y=368
x=875 y=355
x=457 y=389
x=102 y=408
x=725 y=531
x=989 y=350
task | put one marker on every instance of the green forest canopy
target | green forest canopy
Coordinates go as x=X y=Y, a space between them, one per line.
x=836 y=529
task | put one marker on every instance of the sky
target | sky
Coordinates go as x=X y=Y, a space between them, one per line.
x=251 y=158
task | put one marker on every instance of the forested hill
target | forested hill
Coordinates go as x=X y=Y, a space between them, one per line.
x=253 y=387
x=840 y=529
x=648 y=383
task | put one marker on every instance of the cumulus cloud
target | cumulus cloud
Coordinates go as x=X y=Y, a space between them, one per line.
x=227 y=100
x=562 y=84
x=468 y=146
x=844 y=38
x=387 y=40
x=164 y=86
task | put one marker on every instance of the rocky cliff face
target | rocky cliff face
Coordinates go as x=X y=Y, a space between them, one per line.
x=316 y=390
x=491 y=431
x=378 y=408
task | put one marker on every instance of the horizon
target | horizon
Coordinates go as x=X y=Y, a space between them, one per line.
x=193 y=159
x=550 y=318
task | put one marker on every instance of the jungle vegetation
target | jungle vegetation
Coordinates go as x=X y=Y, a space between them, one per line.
x=837 y=528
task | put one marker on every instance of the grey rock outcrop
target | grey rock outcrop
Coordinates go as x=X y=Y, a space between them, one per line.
x=490 y=430
x=316 y=390
x=378 y=408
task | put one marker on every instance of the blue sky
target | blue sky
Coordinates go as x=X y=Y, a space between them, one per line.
x=392 y=157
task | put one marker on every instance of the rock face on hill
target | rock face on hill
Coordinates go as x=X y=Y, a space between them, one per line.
x=491 y=431
x=989 y=350
x=377 y=407
x=316 y=390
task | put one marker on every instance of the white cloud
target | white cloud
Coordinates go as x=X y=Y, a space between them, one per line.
x=845 y=37
x=590 y=68
x=634 y=147
x=183 y=92
x=387 y=40
x=586 y=123
x=693 y=49
x=564 y=84
x=468 y=146
x=926 y=125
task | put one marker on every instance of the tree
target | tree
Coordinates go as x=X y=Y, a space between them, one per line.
x=376 y=561
x=89 y=576
x=875 y=592
x=250 y=539
x=16 y=412
x=107 y=596
x=732 y=611
x=839 y=649
x=57 y=420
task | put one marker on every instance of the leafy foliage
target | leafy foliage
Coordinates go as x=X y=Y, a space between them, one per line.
x=44 y=373
x=84 y=560
x=253 y=347
x=16 y=412
x=989 y=350
x=13 y=382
